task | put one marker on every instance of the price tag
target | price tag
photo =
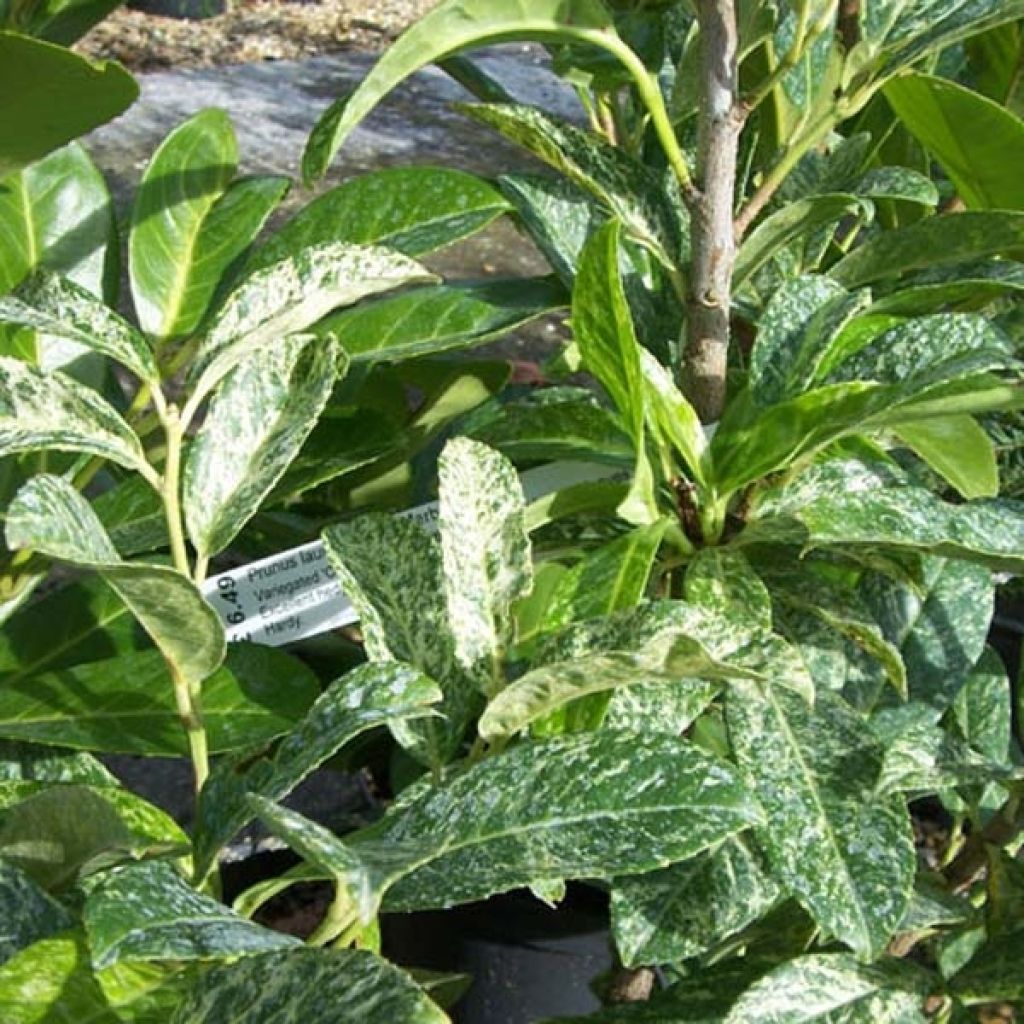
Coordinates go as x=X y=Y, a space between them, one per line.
x=295 y=594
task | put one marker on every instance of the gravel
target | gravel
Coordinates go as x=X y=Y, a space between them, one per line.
x=251 y=30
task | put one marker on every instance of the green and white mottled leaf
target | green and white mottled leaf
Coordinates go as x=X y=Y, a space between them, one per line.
x=443 y=318
x=684 y=910
x=176 y=922
x=631 y=192
x=983 y=707
x=933 y=906
x=29 y=913
x=190 y=223
x=995 y=973
x=290 y=296
x=413 y=210
x=256 y=424
x=63 y=833
x=571 y=807
x=50 y=516
x=52 y=982
x=126 y=705
x=672 y=416
x=41 y=411
x=721 y=579
x=932 y=242
x=32 y=762
x=451 y=27
x=367 y=697
x=604 y=331
x=898 y=183
x=133 y=515
x=345 y=986
x=485 y=554
x=969 y=284
x=845 y=854
x=664 y=707
x=58 y=307
x=834 y=988
x=390 y=568
x=958 y=449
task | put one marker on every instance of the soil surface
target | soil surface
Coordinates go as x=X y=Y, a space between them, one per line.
x=250 y=30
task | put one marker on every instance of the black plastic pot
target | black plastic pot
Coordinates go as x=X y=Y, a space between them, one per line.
x=528 y=961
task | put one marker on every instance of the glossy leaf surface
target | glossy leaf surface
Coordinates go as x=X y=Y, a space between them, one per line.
x=30 y=914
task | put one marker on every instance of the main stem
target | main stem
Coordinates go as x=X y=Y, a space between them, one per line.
x=711 y=209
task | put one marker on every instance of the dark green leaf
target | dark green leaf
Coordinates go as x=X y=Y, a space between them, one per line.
x=177 y=922
x=968 y=284
x=127 y=704
x=29 y=914
x=345 y=986
x=133 y=515
x=844 y=853
x=995 y=973
x=69 y=97
x=983 y=708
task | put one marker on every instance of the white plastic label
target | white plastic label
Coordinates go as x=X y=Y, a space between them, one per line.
x=295 y=594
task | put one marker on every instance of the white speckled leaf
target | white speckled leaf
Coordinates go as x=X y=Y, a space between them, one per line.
x=29 y=913
x=126 y=704
x=365 y=698
x=930 y=291
x=683 y=910
x=48 y=515
x=627 y=189
x=983 y=708
x=59 y=307
x=721 y=580
x=833 y=988
x=40 y=411
x=149 y=912
x=584 y=806
x=390 y=567
x=664 y=707
x=485 y=554
x=33 y=762
x=258 y=420
x=845 y=854
x=52 y=981
x=315 y=986
x=292 y=295
x=901 y=183
x=672 y=415
x=603 y=329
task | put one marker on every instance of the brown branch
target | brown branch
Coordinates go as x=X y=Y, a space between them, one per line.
x=713 y=238
x=965 y=867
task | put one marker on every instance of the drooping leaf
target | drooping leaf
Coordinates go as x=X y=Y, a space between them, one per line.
x=485 y=554
x=683 y=910
x=413 y=210
x=293 y=294
x=346 y=986
x=604 y=331
x=41 y=411
x=977 y=141
x=932 y=242
x=58 y=307
x=178 y=923
x=958 y=449
x=255 y=426
x=846 y=855
x=190 y=223
x=30 y=914
x=365 y=698
x=452 y=26
x=832 y=987
x=50 y=516
x=70 y=96
x=127 y=705
x=64 y=833
x=391 y=570
x=428 y=321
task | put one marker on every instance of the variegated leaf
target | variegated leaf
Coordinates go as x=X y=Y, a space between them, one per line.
x=50 y=516
x=845 y=854
x=570 y=807
x=256 y=424
x=176 y=922
x=672 y=415
x=721 y=579
x=832 y=988
x=995 y=973
x=684 y=910
x=367 y=697
x=29 y=913
x=60 y=308
x=485 y=553
x=390 y=567
x=40 y=411
x=983 y=707
x=346 y=986
x=292 y=295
